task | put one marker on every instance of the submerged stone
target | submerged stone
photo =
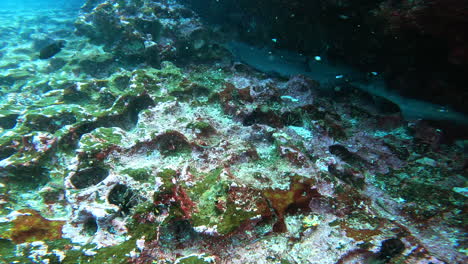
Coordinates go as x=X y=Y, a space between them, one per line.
x=172 y=143
x=50 y=50
x=88 y=177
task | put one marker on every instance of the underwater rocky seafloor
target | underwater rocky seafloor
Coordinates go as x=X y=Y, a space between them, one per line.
x=125 y=148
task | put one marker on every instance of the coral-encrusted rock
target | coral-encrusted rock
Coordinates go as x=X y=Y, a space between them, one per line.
x=99 y=142
x=101 y=25
x=386 y=36
x=220 y=208
x=202 y=129
x=171 y=143
x=144 y=31
x=294 y=155
x=298 y=196
x=144 y=166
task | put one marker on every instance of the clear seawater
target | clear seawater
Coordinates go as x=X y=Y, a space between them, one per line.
x=12 y=5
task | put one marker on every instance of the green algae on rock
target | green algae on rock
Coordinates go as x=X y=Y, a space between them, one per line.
x=196 y=259
x=219 y=208
x=153 y=156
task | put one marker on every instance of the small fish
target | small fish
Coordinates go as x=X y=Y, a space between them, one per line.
x=50 y=50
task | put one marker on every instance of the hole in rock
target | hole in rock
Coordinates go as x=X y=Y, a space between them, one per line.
x=50 y=124
x=6 y=152
x=261 y=117
x=90 y=226
x=27 y=177
x=8 y=121
x=123 y=197
x=89 y=177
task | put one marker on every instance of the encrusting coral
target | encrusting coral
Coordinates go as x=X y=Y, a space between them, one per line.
x=131 y=152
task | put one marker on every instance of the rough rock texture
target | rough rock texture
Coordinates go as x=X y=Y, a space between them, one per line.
x=208 y=163
x=418 y=46
x=145 y=31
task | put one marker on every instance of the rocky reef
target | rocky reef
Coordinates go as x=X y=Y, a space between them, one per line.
x=146 y=31
x=139 y=142
x=418 y=47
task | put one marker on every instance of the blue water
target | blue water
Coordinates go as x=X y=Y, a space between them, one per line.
x=40 y=4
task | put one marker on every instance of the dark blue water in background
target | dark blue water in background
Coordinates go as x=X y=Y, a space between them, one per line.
x=40 y=4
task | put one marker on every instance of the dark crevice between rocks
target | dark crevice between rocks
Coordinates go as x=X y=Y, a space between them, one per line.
x=88 y=177
x=348 y=176
x=127 y=120
x=106 y=100
x=180 y=232
x=38 y=122
x=96 y=69
x=292 y=119
x=263 y=117
x=25 y=177
x=72 y=95
x=90 y=225
x=6 y=247
x=390 y=248
x=366 y=101
x=123 y=197
x=121 y=82
x=273 y=119
x=8 y=80
x=401 y=151
x=6 y=152
x=152 y=27
x=347 y=156
x=8 y=121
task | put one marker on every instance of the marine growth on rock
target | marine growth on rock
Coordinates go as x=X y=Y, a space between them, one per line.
x=143 y=139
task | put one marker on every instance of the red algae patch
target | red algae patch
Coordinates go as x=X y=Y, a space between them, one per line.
x=31 y=226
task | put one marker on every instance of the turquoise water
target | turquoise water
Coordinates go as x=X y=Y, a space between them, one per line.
x=39 y=4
